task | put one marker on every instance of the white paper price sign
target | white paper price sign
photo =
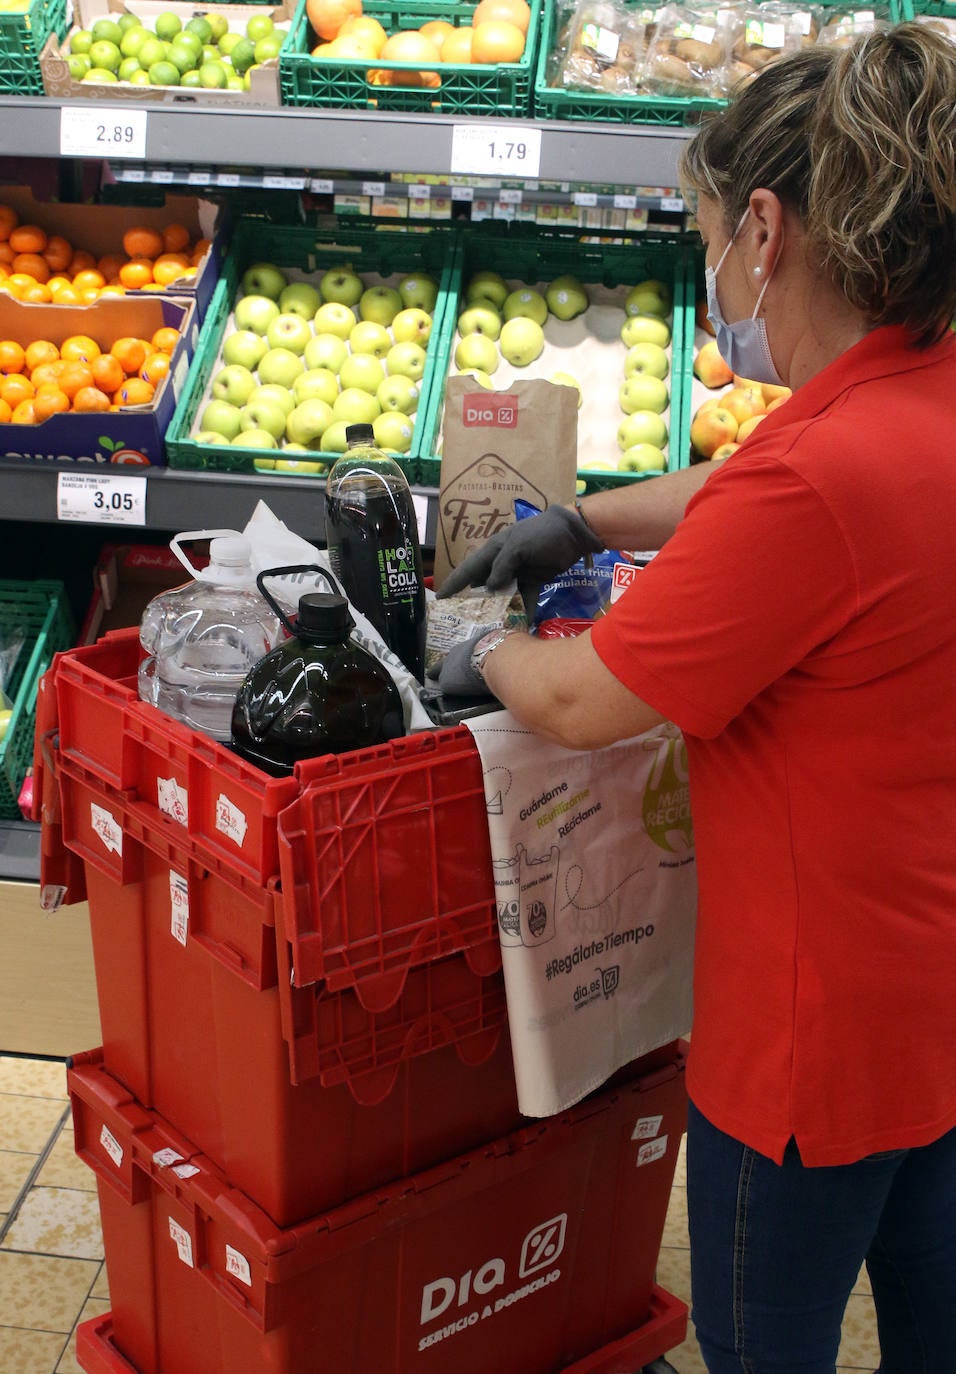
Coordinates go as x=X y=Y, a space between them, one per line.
x=495 y=150
x=102 y=132
x=101 y=498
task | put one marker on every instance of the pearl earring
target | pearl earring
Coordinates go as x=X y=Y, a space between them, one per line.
x=758 y=271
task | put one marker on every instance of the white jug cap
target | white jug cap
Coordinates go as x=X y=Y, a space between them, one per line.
x=232 y=551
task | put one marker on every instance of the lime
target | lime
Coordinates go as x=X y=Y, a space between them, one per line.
x=127 y=67
x=79 y=64
x=243 y=55
x=234 y=82
x=133 y=40
x=140 y=78
x=269 y=46
x=227 y=42
x=129 y=21
x=210 y=53
x=153 y=50
x=201 y=27
x=81 y=41
x=107 y=30
x=182 y=58
x=163 y=74
x=106 y=54
x=100 y=74
x=212 y=76
x=190 y=78
x=219 y=25
x=258 y=26
x=167 y=25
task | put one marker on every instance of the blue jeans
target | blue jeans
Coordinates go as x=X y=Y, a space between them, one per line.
x=776 y=1250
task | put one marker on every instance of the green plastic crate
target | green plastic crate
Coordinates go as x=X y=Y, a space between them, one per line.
x=940 y=9
x=37 y=611
x=309 y=250
x=554 y=102
x=504 y=89
x=22 y=37
x=530 y=256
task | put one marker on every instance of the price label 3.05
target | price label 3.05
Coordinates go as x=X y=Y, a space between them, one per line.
x=495 y=150
x=102 y=132
x=101 y=498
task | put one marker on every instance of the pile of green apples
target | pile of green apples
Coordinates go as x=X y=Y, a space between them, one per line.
x=202 y=53
x=302 y=359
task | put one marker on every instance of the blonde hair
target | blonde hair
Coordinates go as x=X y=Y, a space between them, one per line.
x=861 y=143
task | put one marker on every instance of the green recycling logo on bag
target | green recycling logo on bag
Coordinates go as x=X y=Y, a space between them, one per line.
x=666 y=803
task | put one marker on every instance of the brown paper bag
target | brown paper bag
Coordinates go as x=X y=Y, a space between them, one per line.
x=498 y=447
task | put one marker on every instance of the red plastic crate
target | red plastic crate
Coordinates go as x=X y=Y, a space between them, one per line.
x=532 y=1255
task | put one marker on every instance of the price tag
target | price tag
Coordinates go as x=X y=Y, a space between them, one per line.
x=133 y=174
x=162 y=176
x=227 y=179
x=280 y=183
x=509 y=196
x=585 y=198
x=625 y=202
x=465 y=193
x=322 y=186
x=201 y=177
x=373 y=188
x=101 y=498
x=102 y=132
x=419 y=191
x=493 y=149
x=671 y=203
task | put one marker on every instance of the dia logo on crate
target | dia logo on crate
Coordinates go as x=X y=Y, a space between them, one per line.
x=540 y=1251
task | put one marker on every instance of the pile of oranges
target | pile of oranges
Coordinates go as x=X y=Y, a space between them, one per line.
x=40 y=268
x=497 y=33
x=43 y=379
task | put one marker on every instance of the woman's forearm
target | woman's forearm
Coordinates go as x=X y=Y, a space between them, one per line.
x=644 y=515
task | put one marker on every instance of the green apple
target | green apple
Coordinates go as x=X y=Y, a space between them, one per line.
x=167 y=25
x=369 y=337
x=319 y=383
x=642 y=458
x=355 y=407
x=244 y=346
x=255 y=438
x=308 y=422
x=79 y=64
x=412 y=325
x=334 y=318
x=263 y=279
x=234 y=384
x=643 y=427
x=380 y=304
x=309 y=465
x=525 y=303
x=522 y=341
x=648 y=358
x=105 y=54
x=222 y=418
x=263 y=414
x=259 y=26
x=566 y=298
x=300 y=298
x=487 y=286
x=264 y=464
x=255 y=312
x=208 y=436
x=342 y=285
x=646 y=329
x=278 y=395
x=565 y=379
x=281 y=366
x=289 y=331
x=481 y=318
x=419 y=290
x=649 y=297
x=362 y=370
x=475 y=351
x=397 y=393
x=406 y=360
x=334 y=440
x=326 y=351
x=643 y=392
x=480 y=377
x=393 y=431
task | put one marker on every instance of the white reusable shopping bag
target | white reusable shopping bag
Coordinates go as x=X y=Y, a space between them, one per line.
x=596 y=893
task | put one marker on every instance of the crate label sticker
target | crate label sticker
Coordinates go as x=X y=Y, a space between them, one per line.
x=622 y=576
x=482 y=409
x=654 y=1149
x=164 y=1158
x=183 y=1242
x=238 y=1266
x=102 y=132
x=52 y=896
x=172 y=800
x=185 y=1170
x=108 y=828
x=489 y=150
x=111 y=1145
x=647 y=1127
x=179 y=907
x=230 y=821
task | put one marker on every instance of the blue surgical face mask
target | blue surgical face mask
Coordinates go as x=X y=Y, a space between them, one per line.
x=742 y=345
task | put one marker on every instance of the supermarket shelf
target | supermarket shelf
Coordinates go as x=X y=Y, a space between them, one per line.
x=359 y=140
x=19 y=851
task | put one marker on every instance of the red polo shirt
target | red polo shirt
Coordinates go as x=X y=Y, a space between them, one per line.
x=800 y=627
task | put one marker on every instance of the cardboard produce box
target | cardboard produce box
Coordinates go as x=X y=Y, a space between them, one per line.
x=100 y=229
x=133 y=434
x=125 y=580
x=264 y=90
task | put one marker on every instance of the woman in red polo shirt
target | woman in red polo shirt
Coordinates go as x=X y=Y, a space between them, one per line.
x=799 y=626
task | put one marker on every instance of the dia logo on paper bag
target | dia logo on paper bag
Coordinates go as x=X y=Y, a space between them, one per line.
x=485 y=408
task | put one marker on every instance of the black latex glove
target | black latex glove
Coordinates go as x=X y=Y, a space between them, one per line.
x=531 y=552
x=455 y=675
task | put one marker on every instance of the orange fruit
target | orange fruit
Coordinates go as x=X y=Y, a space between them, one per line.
x=18 y=282
x=9 y=219
x=28 y=238
x=37 y=294
x=113 y=288
x=49 y=400
x=15 y=387
x=328 y=16
x=33 y=264
x=5 y=412
x=437 y=30
x=58 y=253
x=130 y=353
x=81 y=261
x=59 y=283
x=176 y=238
x=136 y=273
x=517 y=12
x=408 y=45
x=457 y=46
x=135 y=391
x=496 y=40
x=90 y=276
x=4 y=271
x=90 y=398
x=46 y=374
x=74 y=377
x=12 y=356
x=142 y=242
x=39 y=351
x=66 y=296
x=155 y=368
x=6 y=254
x=88 y=294
x=168 y=267
x=23 y=413
x=107 y=372
x=109 y=265
x=79 y=348
x=165 y=339
x=364 y=26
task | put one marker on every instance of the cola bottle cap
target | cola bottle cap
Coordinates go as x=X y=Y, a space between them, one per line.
x=323 y=618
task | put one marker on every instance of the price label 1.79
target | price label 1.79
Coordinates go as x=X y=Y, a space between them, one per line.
x=102 y=132
x=101 y=498
x=495 y=150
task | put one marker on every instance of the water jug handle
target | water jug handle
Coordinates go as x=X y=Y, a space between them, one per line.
x=188 y=536
x=294 y=568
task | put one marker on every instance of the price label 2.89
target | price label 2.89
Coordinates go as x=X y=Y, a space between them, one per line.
x=495 y=150
x=102 y=132
x=101 y=498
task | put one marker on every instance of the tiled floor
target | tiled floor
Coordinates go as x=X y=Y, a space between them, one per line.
x=51 y=1250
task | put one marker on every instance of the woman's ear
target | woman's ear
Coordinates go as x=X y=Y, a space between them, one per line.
x=765 y=240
